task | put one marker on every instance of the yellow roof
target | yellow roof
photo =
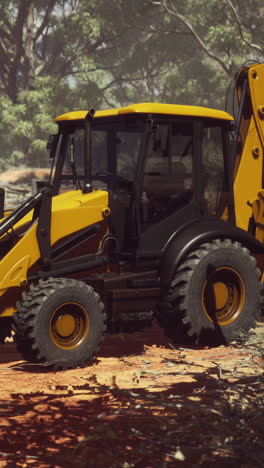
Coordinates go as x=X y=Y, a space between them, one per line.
x=151 y=108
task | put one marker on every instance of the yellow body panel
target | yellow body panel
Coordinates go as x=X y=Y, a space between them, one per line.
x=256 y=84
x=248 y=181
x=16 y=274
x=151 y=108
x=258 y=210
x=71 y=212
x=8 y=311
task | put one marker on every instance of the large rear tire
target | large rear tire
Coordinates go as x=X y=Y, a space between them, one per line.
x=59 y=322
x=215 y=293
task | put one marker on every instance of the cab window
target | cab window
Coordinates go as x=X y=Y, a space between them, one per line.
x=168 y=181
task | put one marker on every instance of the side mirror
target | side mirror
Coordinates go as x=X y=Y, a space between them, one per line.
x=52 y=144
x=2 y=202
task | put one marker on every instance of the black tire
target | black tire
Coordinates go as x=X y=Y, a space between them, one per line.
x=59 y=322
x=215 y=293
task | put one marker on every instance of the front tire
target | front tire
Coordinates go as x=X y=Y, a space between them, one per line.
x=60 y=322
x=214 y=294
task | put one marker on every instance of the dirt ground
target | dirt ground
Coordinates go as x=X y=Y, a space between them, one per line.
x=142 y=403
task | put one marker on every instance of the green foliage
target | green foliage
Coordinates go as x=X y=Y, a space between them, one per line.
x=25 y=125
x=62 y=55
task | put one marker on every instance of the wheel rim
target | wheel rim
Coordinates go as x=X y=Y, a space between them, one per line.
x=69 y=325
x=223 y=296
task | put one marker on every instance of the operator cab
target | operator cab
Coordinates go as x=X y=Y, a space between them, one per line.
x=162 y=165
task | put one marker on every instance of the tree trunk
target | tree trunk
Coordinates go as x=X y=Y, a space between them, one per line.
x=29 y=58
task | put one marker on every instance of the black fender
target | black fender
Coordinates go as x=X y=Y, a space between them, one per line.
x=195 y=233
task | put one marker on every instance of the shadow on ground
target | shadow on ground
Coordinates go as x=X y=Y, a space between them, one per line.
x=206 y=422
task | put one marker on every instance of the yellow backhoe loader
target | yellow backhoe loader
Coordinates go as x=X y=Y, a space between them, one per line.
x=151 y=210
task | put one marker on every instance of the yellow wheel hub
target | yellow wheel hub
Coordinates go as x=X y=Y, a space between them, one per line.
x=221 y=292
x=223 y=296
x=65 y=325
x=69 y=325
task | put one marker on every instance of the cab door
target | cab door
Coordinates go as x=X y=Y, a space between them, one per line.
x=169 y=195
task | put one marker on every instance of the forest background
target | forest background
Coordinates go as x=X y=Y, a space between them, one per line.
x=62 y=55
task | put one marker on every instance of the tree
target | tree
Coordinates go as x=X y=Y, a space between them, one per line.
x=221 y=37
x=63 y=55
x=60 y=55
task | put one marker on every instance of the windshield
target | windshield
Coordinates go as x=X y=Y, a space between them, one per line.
x=115 y=150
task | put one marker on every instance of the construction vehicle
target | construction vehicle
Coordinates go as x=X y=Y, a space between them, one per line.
x=151 y=210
